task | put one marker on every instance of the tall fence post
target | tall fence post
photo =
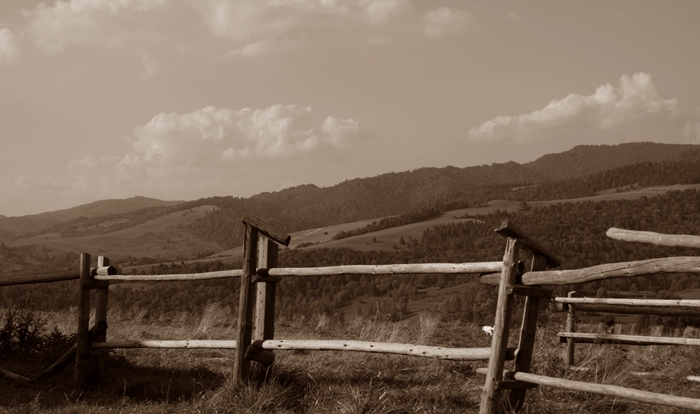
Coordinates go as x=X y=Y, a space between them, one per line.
x=246 y=306
x=82 y=355
x=526 y=341
x=265 y=296
x=501 y=328
x=570 y=327
x=101 y=301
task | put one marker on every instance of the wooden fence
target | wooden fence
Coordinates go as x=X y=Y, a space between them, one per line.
x=259 y=275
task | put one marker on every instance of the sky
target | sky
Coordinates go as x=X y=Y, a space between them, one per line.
x=184 y=99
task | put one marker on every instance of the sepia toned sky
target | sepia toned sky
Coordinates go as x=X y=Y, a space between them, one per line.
x=182 y=99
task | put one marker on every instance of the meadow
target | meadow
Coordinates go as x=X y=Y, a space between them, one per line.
x=199 y=381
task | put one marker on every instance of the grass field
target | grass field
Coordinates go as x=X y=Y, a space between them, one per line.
x=191 y=381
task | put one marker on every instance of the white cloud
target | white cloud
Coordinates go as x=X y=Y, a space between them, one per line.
x=207 y=147
x=446 y=21
x=9 y=51
x=272 y=26
x=88 y=22
x=266 y=46
x=634 y=109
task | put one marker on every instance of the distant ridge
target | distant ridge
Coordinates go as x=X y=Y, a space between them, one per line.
x=583 y=160
x=99 y=208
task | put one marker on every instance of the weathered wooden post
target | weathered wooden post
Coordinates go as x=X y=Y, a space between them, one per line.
x=82 y=355
x=499 y=342
x=509 y=286
x=265 y=302
x=101 y=301
x=255 y=245
x=528 y=330
x=570 y=327
x=241 y=366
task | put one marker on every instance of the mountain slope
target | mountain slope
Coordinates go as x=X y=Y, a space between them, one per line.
x=37 y=222
x=588 y=159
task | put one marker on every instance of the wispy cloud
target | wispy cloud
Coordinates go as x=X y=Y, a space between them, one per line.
x=173 y=154
x=9 y=50
x=634 y=108
x=446 y=21
x=89 y=22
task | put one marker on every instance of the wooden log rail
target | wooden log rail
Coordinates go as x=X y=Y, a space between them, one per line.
x=690 y=303
x=595 y=338
x=686 y=264
x=675 y=240
x=455 y=354
x=420 y=268
x=55 y=277
x=604 y=389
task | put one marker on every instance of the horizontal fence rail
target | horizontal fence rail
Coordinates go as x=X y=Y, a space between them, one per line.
x=456 y=354
x=56 y=277
x=691 y=303
x=48 y=278
x=222 y=274
x=675 y=240
x=605 y=389
x=687 y=264
x=394 y=269
x=419 y=268
x=595 y=338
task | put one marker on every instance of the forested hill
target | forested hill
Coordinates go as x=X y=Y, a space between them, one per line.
x=575 y=232
x=588 y=159
x=442 y=189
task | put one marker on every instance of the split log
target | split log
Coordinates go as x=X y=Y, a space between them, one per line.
x=687 y=264
x=509 y=229
x=633 y=310
x=457 y=354
x=104 y=270
x=182 y=277
x=418 y=268
x=605 y=389
x=262 y=228
x=626 y=339
x=678 y=240
x=690 y=303
x=13 y=376
x=62 y=361
x=185 y=343
x=48 y=278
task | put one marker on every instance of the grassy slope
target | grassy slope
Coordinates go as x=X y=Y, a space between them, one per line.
x=164 y=236
x=36 y=222
x=156 y=381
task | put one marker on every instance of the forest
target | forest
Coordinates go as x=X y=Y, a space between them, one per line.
x=573 y=231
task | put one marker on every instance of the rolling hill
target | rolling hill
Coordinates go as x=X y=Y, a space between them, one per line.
x=141 y=227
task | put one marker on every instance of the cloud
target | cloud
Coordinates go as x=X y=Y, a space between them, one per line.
x=446 y=21
x=266 y=46
x=9 y=51
x=270 y=26
x=634 y=109
x=207 y=147
x=89 y=22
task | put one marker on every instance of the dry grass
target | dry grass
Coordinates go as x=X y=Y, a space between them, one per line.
x=198 y=381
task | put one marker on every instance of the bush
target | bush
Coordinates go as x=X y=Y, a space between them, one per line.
x=23 y=332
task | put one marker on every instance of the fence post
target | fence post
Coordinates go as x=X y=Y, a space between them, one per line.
x=526 y=342
x=499 y=342
x=265 y=303
x=82 y=355
x=246 y=306
x=570 y=327
x=101 y=301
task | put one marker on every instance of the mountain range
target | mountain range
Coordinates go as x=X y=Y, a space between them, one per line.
x=144 y=227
